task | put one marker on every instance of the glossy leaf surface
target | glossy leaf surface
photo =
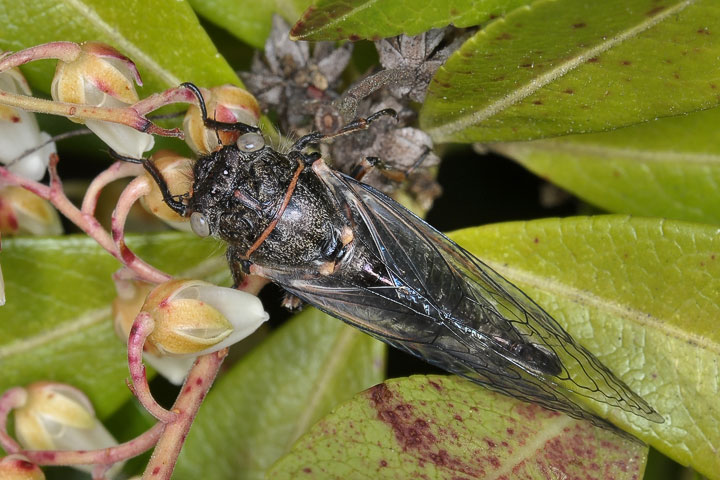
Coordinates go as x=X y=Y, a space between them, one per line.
x=665 y=168
x=560 y=67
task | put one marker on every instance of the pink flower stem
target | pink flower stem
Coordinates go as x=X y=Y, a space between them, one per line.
x=114 y=172
x=132 y=193
x=195 y=388
x=13 y=398
x=65 y=51
x=85 y=221
x=103 y=456
x=141 y=328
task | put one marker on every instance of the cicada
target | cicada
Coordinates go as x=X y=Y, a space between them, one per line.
x=356 y=254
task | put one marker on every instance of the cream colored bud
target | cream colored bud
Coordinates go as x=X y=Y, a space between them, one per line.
x=18 y=467
x=56 y=416
x=19 y=133
x=23 y=212
x=194 y=317
x=177 y=172
x=226 y=103
x=126 y=307
x=103 y=77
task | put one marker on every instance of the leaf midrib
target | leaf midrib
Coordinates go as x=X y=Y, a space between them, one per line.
x=604 y=304
x=445 y=130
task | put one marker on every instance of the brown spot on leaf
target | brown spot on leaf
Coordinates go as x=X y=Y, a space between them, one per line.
x=579 y=25
x=307 y=470
x=569 y=91
x=418 y=434
x=354 y=37
x=654 y=11
x=537 y=102
x=504 y=36
x=704 y=31
x=626 y=62
x=593 y=60
x=436 y=385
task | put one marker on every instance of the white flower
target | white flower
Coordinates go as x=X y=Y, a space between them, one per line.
x=195 y=318
x=19 y=133
x=56 y=416
x=103 y=77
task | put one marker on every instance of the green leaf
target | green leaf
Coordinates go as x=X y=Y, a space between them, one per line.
x=249 y=20
x=665 y=168
x=371 y=19
x=448 y=428
x=274 y=394
x=644 y=296
x=563 y=66
x=56 y=324
x=163 y=38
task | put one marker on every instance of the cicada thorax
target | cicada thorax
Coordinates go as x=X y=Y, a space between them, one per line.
x=270 y=209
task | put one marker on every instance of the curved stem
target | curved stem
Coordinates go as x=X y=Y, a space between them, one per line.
x=114 y=172
x=197 y=384
x=141 y=328
x=103 y=456
x=13 y=398
x=136 y=189
x=65 y=51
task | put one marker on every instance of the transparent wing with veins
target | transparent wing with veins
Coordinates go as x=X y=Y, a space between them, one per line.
x=410 y=286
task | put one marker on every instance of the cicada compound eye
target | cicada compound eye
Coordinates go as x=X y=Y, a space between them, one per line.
x=199 y=224
x=250 y=142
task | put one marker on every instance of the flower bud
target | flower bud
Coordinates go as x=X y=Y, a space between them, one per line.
x=194 y=318
x=56 y=416
x=226 y=103
x=18 y=467
x=126 y=307
x=177 y=172
x=103 y=77
x=19 y=133
x=23 y=212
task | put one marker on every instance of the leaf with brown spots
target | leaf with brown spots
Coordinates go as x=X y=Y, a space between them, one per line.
x=664 y=168
x=644 y=296
x=625 y=62
x=373 y=19
x=447 y=428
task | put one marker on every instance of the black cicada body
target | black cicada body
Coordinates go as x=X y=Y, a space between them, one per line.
x=356 y=254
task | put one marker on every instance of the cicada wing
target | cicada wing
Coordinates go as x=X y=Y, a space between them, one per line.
x=439 y=302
